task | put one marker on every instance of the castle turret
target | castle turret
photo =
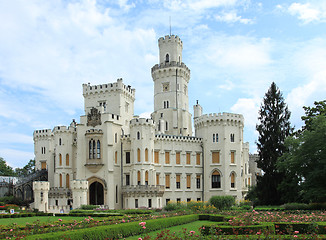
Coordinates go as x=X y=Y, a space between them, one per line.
x=171 y=77
x=41 y=195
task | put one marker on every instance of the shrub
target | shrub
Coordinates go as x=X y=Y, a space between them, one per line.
x=222 y=202
x=295 y=206
x=88 y=207
x=317 y=206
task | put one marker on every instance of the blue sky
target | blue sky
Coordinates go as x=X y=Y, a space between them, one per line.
x=234 y=49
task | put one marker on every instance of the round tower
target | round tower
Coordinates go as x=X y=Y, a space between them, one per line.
x=79 y=192
x=171 y=77
x=41 y=195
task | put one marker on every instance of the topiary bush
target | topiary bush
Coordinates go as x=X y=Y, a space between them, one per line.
x=222 y=202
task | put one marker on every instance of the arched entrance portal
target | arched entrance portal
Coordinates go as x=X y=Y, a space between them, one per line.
x=96 y=194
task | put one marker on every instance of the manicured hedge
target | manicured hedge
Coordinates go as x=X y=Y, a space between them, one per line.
x=214 y=217
x=221 y=229
x=289 y=228
x=118 y=231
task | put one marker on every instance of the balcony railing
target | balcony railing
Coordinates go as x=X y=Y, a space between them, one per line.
x=158 y=189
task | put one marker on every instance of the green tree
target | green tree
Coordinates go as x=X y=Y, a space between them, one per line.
x=5 y=170
x=273 y=128
x=28 y=169
x=306 y=157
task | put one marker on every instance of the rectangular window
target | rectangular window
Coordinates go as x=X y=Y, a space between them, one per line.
x=178 y=200
x=178 y=177
x=127 y=157
x=43 y=165
x=149 y=203
x=249 y=182
x=177 y=158
x=157 y=179
x=188 y=199
x=167 y=181
x=167 y=201
x=198 y=199
x=156 y=157
x=188 y=161
x=116 y=157
x=188 y=181
x=197 y=181
x=198 y=159
x=167 y=157
x=127 y=179
x=215 y=157
x=136 y=203
x=232 y=157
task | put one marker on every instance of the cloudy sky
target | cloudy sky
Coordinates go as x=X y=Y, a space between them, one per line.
x=234 y=48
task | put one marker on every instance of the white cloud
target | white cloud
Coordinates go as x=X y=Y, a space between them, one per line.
x=232 y=17
x=15 y=138
x=308 y=12
x=125 y=6
x=248 y=107
x=228 y=85
x=197 y=5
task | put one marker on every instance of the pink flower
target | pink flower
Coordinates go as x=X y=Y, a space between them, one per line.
x=11 y=230
x=60 y=220
x=140 y=239
x=123 y=220
x=296 y=232
x=295 y=236
x=144 y=227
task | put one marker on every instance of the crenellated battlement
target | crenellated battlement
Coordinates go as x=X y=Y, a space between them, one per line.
x=177 y=138
x=109 y=87
x=79 y=184
x=41 y=186
x=63 y=129
x=170 y=64
x=142 y=121
x=220 y=117
x=169 y=39
x=44 y=133
x=94 y=132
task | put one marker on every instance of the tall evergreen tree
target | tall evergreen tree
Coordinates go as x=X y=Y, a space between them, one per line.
x=273 y=128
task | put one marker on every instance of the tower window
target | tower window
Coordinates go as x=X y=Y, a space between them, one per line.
x=166 y=126
x=60 y=141
x=90 y=150
x=167 y=58
x=232 y=137
x=138 y=135
x=127 y=157
x=98 y=149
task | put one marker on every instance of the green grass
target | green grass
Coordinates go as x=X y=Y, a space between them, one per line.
x=193 y=226
x=43 y=219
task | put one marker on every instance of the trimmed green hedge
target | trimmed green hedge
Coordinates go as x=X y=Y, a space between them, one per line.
x=214 y=217
x=221 y=229
x=118 y=231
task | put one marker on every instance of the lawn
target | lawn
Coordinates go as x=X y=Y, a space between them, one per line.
x=193 y=226
x=42 y=219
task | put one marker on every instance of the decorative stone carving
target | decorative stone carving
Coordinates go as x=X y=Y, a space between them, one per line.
x=94 y=117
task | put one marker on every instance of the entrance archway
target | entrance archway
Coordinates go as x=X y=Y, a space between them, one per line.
x=96 y=194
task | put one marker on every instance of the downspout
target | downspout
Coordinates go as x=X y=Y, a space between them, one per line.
x=203 y=171
x=121 y=179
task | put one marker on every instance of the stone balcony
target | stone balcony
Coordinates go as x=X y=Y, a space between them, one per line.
x=157 y=190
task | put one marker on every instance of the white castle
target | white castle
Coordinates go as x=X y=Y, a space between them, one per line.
x=119 y=160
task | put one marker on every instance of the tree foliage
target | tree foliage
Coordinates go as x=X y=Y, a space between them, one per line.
x=5 y=170
x=273 y=128
x=28 y=169
x=305 y=161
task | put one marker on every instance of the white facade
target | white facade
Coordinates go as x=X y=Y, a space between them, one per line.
x=115 y=159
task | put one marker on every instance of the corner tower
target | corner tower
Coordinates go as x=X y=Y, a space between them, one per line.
x=171 y=77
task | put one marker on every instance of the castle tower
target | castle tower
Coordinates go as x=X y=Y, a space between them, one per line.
x=79 y=192
x=41 y=195
x=171 y=77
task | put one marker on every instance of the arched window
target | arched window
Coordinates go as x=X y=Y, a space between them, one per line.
x=116 y=157
x=213 y=137
x=216 y=137
x=94 y=149
x=98 y=149
x=90 y=150
x=146 y=178
x=59 y=141
x=232 y=180
x=138 y=135
x=138 y=177
x=60 y=180
x=216 y=179
x=166 y=126
x=167 y=104
x=167 y=58
x=146 y=155
x=232 y=137
x=60 y=159
x=138 y=155
x=67 y=159
x=67 y=181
